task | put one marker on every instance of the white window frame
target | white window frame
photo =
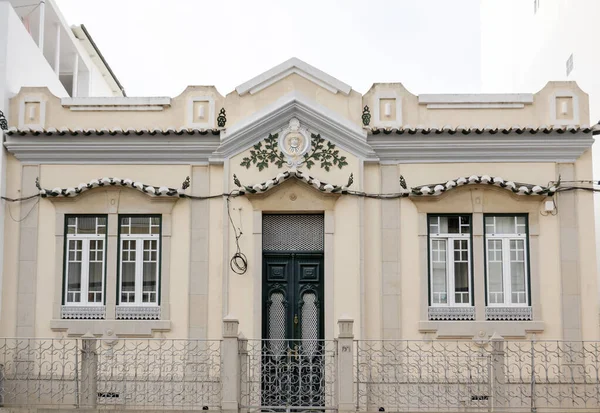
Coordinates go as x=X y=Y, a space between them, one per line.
x=506 y=272
x=449 y=238
x=139 y=261
x=85 y=261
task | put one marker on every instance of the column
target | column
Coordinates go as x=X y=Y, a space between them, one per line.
x=390 y=255
x=230 y=366
x=28 y=240
x=345 y=366
x=198 y=283
x=569 y=258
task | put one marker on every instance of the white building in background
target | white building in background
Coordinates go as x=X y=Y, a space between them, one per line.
x=39 y=48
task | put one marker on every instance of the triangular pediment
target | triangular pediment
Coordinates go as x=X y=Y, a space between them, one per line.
x=275 y=117
x=293 y=66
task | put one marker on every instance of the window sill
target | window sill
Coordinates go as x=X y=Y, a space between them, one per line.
x=137 y=328
x=481 y=329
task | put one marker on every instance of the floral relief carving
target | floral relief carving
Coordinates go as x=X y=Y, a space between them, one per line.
x=295 y=148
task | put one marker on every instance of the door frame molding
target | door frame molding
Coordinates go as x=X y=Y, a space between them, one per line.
x=327 y=262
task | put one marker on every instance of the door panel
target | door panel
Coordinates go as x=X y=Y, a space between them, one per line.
x=293 y=356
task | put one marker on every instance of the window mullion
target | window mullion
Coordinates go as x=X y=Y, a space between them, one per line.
x=139 y=250
x=85 y=269
x=450 y=271
x=506 y=272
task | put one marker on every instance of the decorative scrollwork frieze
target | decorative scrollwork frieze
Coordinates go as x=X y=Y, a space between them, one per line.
x=138 y=313
x=451 y=313
x=508 y=314
x=83 y=312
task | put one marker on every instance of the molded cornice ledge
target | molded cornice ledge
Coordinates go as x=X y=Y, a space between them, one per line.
x=116 y=104
x=275 y=117
x=510 y=147
x=107 y=149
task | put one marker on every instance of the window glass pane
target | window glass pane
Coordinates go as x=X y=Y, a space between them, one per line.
x=125 y=226
x=438 y=268
x=495 y=270
x=465 y=223
x=155 y=222
x=140 y=225
x=521 y=225
x=74 y=282
x=95 y=283
x=434 y=226
x=449 y=224
x=128 y=271
x=517 y=271
x=461 y=271
x=86 y=225
x=452 y=225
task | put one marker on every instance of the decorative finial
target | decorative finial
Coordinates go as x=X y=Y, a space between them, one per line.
x=37 y=184
x=236 y=181
x=3 y=122
x=402 y=182
x=222 y=118
x=186 y=183
x=350 y=180
x=366 y=116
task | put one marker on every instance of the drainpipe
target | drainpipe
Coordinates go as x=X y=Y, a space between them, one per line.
x=41 y=26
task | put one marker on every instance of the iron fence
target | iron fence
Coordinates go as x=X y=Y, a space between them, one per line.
x=477 y=375
x=95 y=373
x=280 y=374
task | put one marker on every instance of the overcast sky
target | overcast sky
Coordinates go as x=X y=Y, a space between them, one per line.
x=157 y=48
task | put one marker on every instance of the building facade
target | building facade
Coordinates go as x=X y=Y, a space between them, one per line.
x=294 y=207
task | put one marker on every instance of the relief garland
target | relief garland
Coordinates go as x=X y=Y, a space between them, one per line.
x=322 y=151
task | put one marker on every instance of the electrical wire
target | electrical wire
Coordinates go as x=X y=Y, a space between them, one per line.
x=239 y=262
x=26 y=215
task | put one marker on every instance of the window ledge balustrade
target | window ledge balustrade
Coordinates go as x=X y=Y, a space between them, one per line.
x=508 y=314
x=83 y=312
x=137 y=312
x=451 y=313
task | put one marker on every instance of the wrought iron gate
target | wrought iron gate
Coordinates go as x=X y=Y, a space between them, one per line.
x=293 y=353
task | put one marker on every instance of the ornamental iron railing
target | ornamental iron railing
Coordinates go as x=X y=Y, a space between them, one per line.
x=483 y=375
x=235 y=374
x=95 y=373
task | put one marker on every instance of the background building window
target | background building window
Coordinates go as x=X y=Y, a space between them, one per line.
x=85 y=260
x=507 y=259
x=450 y=260
x=139 y=260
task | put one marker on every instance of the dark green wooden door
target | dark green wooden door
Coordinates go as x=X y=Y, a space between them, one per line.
x=293 y=352
x=293 y=296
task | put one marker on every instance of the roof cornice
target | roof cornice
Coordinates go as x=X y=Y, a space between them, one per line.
x=274 y=117
x=297 y=66
x=111 y=149
x=475 y=147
